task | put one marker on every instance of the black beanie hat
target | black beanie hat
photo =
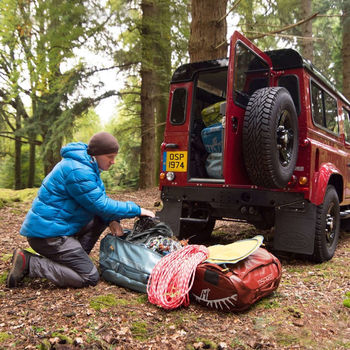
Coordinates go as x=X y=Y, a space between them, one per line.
x=102 y=143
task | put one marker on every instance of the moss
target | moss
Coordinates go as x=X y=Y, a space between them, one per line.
x=238 y=344
x=286 y=339
x=4 y=336
x=6 y=257
x=139 y=330
x=64 y=339
x=207 y=344
x=142 y=299
x=346 y=302
x=103 y=301
x=106 y=301
x=3 y=277
x=268 y=303
x=45 y=345
x=7 y=196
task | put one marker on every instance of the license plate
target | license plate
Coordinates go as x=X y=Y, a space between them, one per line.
x=175 y=161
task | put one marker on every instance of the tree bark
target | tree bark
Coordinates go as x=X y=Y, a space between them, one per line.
x=307 y=47
x=18 y=148
x=346 y=48
x=147 y=159
x=208 y=30
x=31 y=171
x=162 y=78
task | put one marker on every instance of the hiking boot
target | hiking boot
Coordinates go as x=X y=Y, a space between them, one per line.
x=20 y=267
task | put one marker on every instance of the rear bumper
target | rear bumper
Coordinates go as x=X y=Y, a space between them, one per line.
x=223 y=202
x=228 y=198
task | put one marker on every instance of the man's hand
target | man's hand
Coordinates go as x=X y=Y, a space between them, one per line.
x=116 y=228
x=146 y=212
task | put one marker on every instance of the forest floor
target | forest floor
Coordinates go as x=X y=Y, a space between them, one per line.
x=306 y=311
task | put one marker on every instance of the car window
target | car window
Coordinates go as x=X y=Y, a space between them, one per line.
x=324 y=109
x=291 y=83
x=251 y=74
x=346 y=118
x=331 y=113
x=178 y=107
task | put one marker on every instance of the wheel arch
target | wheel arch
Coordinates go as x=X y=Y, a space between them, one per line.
x=328 y=174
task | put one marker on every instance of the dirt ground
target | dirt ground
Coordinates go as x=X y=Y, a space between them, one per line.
x=306 y=311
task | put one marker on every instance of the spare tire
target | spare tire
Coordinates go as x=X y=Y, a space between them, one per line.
x=270 y=137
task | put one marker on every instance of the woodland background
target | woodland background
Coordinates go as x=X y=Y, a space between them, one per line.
x=51 y=55
x=52 y=51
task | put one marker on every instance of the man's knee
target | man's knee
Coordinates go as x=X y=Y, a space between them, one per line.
x=92 y=278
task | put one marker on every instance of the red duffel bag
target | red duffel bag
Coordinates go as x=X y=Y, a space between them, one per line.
x=235 y=287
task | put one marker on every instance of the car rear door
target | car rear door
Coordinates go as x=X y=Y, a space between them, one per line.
x=249 y=69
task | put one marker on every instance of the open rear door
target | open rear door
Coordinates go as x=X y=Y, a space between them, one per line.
x=249 y=69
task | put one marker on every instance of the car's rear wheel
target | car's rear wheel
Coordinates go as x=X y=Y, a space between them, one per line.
x=327 y=226
x=270 y=137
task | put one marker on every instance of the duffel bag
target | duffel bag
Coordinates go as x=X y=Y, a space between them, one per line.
x=235 y=287
x=126 y=264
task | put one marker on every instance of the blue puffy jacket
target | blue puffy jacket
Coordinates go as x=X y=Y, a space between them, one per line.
x=71 y=195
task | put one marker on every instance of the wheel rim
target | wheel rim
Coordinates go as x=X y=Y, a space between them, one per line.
x=330 y=229
x=285 y=138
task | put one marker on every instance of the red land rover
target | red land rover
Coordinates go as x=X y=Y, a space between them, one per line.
x=261 y=137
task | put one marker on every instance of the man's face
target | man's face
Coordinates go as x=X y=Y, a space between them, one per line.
x=105 y=161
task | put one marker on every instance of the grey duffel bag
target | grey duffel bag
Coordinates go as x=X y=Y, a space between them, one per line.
x=126 y=264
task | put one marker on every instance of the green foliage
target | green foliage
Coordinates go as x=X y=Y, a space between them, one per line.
x=346 y=301
x=8 y=196
x=85 y=126
x=39 y=45
x=106 y=301
x=258 y=17
x=5 y=336
x=125 y=173
x=139 y=330
x=328 y=50
x=7 y=173
x=64 y=339
x=3 y=277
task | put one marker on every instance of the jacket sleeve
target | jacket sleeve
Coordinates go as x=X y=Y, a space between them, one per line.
x=83 y=186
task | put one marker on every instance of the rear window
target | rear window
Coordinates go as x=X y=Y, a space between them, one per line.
x=346 y=117
x=251 y=74
x=291 y=83
x=324 y=109
x=178 y=106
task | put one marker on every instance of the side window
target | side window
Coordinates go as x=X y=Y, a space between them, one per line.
x=317 y=105
x=178 y=107
x=346 y=117
x=251 y=74
x=331 y=113
x=324 y=109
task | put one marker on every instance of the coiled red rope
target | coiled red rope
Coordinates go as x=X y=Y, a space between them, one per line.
x=172 y=278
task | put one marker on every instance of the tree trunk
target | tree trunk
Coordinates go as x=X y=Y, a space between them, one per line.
x=18 y=163
x=147 y=159
x=307 y=47
x=18 y=151
x=208 y=30
x=162 y=77
x=52 y=156
x=31 y=172
x=346 y=48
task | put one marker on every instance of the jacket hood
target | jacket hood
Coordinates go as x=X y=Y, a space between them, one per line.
x=76 y=151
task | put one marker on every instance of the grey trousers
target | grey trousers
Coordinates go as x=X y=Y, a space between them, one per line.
x=65 y=260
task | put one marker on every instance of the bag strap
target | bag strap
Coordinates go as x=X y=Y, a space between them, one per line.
x=160 y=229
